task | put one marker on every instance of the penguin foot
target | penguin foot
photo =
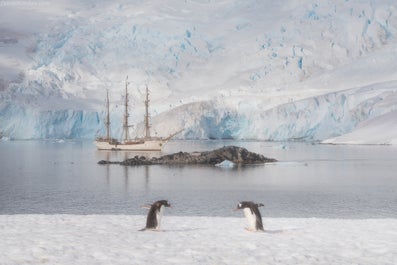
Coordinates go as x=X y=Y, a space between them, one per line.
x=151 y=229
x=254 y=230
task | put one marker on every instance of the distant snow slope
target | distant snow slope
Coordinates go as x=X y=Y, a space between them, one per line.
x=380 y=130
x=272 y=70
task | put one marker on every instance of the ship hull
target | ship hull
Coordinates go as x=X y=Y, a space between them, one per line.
x=146 y=145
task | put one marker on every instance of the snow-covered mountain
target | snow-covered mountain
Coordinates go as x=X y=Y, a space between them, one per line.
x=270 y=70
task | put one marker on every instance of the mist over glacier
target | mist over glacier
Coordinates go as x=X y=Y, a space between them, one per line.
x=284 y=70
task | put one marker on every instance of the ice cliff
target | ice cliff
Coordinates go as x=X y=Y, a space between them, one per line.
x=301 y=70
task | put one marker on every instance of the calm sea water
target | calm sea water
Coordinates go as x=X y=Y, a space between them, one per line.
x=50 y=177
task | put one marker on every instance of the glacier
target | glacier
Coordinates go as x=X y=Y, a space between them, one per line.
x=265 y=70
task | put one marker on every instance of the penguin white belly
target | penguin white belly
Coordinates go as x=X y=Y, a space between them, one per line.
x=159 y=215
x=251 y=218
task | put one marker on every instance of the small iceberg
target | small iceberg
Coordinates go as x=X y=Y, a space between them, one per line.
x=226 y=164
x=3 y=137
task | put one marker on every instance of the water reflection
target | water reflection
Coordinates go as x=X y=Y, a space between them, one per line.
x=147 y=176
x=310 y=180
x=132 y=177
x=126 y=178
x=107 y=169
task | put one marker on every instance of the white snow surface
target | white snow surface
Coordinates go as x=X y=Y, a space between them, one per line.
x=269 y=70
x=381 y=130
x=115 y=239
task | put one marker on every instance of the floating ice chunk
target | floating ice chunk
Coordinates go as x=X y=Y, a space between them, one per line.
x=226 y=164
x=4 y=139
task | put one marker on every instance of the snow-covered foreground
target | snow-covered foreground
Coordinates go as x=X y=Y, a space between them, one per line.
x=115 y=239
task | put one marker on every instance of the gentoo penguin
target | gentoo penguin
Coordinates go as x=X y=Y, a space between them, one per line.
x=155 y=214
x=252 y=213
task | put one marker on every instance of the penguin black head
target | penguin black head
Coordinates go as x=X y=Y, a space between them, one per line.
x=164 y=203
x=248 y=204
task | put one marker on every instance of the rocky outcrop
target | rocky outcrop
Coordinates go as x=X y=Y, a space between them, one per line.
x=235 y=154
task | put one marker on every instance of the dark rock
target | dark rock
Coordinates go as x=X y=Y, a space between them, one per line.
x=136 y=161
x=105 y=162
x=238 y=155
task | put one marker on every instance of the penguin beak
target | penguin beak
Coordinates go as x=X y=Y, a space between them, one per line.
x=235 y=209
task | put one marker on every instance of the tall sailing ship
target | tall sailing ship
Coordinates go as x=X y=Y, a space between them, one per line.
x=146 y=143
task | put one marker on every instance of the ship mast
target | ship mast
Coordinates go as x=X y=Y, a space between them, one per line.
x=125 y=123
x=147 y=117
x=107 y=120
